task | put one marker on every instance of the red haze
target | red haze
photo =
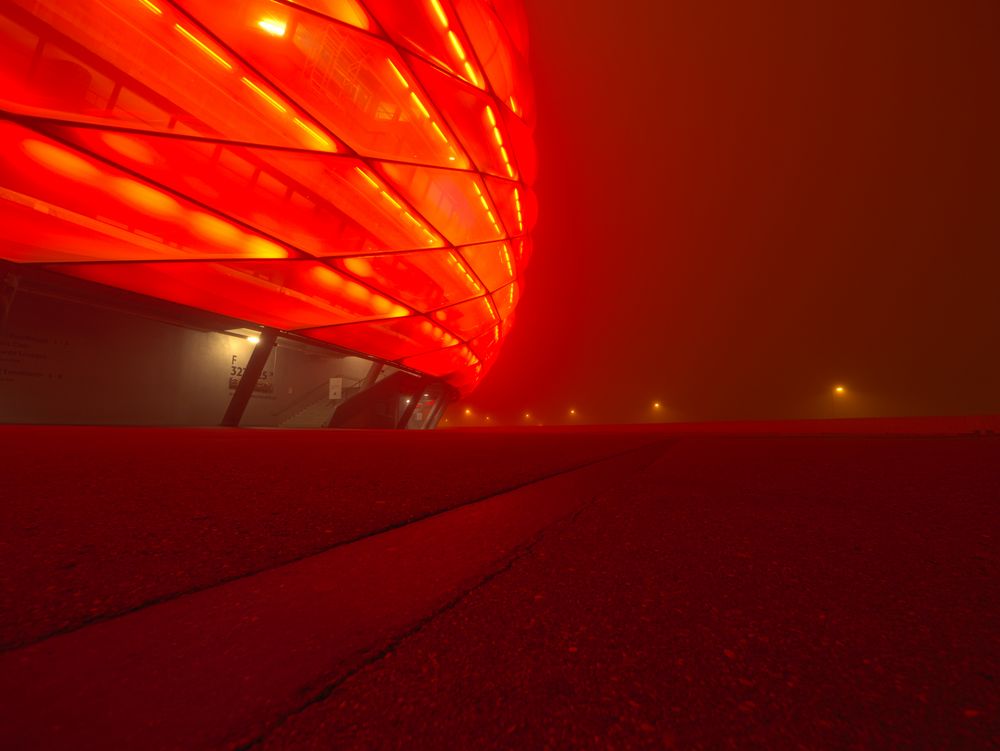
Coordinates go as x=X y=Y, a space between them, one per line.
x=743 y=207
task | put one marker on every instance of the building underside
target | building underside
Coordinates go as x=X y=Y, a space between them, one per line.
x=268 y=212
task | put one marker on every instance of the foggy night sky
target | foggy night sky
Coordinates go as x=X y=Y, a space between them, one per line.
x=744 y=204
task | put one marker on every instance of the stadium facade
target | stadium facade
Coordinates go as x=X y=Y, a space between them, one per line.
x=259 y=212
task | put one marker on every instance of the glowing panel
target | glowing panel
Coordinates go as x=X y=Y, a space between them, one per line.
x=504 y=65
x=506 y=299
x=64 y=65
x=357 y=171
x=429 y=28
x=424 y=281
x=321 y=204
x=516 y=204
x=457 y=203
x=494 y=263
x=342 y=76
x=388 y=340
x=442 y=362
x=466 y=110
x=282 y=294
x=47 y=217
x=515 y=21
x=348 y=11
x=468 y=319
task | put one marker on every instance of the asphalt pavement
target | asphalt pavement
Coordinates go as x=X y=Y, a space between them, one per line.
x=609 y=588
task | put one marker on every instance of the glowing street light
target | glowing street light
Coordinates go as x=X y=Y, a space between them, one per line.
x=468 y=411
x=839 y=390
x=572 y=411
x=656 y=405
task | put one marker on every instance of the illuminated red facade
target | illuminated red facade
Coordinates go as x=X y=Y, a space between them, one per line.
x=351 y=172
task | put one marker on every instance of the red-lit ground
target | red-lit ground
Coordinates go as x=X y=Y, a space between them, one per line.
x=706 y=587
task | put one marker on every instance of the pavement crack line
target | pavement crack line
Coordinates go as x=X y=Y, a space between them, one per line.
x=103 y=617
x=504 y=565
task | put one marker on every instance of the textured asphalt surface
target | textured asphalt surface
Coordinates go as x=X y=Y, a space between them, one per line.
x=759 y=591
x=98 y=521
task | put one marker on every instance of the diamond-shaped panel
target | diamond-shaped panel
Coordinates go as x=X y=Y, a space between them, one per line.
x=356 y=171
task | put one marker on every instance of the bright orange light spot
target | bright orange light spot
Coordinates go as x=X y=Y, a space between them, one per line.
x=572 y=411
x=144 y=198
x=420 y=105
x=438 y=130
x=203 y=47
x=492 y=118
x=456 y=45
x=468 y=411
x=471 y=74
x=214 y=229
x=367 y=178
x=129 y=147
x=507 y=261
x=348 y=11
x=60 y=160
x=405 y=84
x=359 y=266
x=326 y=277
x=357 y=293
x=273 y=26
x=391 y=200
x=263 y=94
x=151 y=7
x=313 y=134
x=383 y=304
x=656 y=405
x=839 y=390
x=258 y=247
x=439 y=12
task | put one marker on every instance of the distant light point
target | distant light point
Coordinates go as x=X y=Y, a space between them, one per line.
x=656 y=405
x=468 y=411
x=839 y=390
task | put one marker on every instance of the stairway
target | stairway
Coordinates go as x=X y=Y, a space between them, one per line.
x=313 y=415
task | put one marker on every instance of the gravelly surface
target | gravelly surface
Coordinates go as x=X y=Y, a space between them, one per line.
x=741 y=593
x=96 y=521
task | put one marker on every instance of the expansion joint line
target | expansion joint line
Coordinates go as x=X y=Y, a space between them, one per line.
x=94 y=620
x=505 y=564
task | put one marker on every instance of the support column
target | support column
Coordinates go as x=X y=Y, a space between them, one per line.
x=412 y=406
x=251 y=374
x=373 y=373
